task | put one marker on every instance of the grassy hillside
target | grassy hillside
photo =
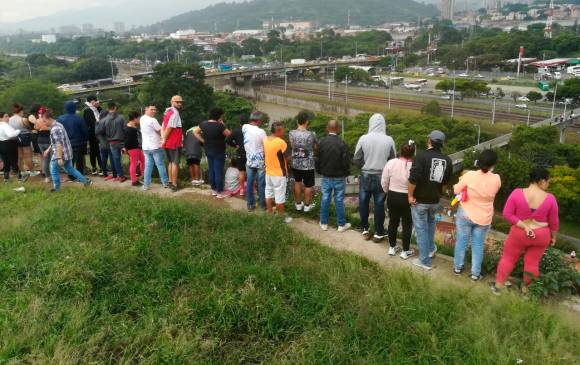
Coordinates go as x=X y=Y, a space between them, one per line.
x=250 y=14
x=89 y=276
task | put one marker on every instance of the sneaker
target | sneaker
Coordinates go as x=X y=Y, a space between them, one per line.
x=23 y=178
x=393 y=251
x=476 y=277
x=242 y=192
x=377 y=238
x=406 y=254
x=34 y=173
x=366 y=235
x=457 y=272
x=46 y=180
x=110 y=177
x=418 y=263
x=88 y=183
x=94 y=172
x=299 y=206
x=145 y=188
x=214 y=193
x=173 y=188
x=165 y=186
x=101 y=173
x=308 y=208
x=324 y=227
x=53 y=190
x=344 y=228
x=495 y=289
x=221 y=196
x=432 y=253
x=121 y=179
x=193 y=182
x=136 y=183
x=288 y=220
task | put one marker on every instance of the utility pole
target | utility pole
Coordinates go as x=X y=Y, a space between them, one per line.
x=285 y=82
x=554 y=101
x=112 y=69
x=493 y=111
x=453 y=97
x=528 y=121
x=390 y=86
x=346 y=95
x=29 y=69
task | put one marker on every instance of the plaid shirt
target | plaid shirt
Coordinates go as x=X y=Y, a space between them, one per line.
x=58 y=137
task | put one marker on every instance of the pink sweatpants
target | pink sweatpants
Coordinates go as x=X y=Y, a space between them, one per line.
x=136 y=157
x=533 y=249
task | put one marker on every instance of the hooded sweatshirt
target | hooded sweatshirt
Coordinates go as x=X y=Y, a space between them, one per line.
x=375 y=148
x=74 y=125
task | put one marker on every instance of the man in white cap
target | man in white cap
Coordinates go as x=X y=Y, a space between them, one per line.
x=431 y=170
x=172 y=138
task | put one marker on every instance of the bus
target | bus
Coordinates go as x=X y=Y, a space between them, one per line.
x=544 y=85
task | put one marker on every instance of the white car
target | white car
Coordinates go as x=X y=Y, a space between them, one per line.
x=524 y=99
x=463 y=75
x=479 y=76
x=446 y=97
x=521 y=106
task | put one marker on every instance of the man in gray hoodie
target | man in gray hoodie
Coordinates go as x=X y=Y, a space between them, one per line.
x=112 y=127
x=372 y=152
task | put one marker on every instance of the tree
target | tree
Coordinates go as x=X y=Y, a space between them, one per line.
x=186 y=80
x=252 y=46
x=515 y=95
x=94 y=68
x=233 y=107
x=431 y=108
x=565 y=185
x=570 y=89
x=499 y=93
x=534 y=96
x=30 y=92
x=229 y=49
x=549 y=96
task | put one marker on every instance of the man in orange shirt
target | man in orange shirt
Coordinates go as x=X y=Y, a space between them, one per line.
x=276 y=153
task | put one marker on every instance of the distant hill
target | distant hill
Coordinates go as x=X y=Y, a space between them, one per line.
x=249 y=15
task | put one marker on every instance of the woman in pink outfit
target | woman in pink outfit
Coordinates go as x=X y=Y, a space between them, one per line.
x=533 y=213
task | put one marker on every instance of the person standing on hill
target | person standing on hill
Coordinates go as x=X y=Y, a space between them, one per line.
x=236 y=140
x=430 y=172
x=152 y=147
x=276 y=152
x=395 y=181
x=172 y=139
x=19 y=122
x=77 y=133
x=113 y=128
x=133 y=147
x=62 y=153
x=473 y=219
x=333 y=163
x=193 y=151
x=372 y=153
x=303 y=144
x=254 y=145
x=91 y=116
x=8 y=147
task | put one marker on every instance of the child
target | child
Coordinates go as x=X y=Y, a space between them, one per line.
x=193 y=153
x=133 y=147
x=232 y=180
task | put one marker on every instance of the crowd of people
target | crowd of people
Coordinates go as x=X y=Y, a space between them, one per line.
x=406 y=184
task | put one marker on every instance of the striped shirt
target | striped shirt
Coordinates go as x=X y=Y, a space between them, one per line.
x=58 y=137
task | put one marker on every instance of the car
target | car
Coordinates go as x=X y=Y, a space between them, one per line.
x=521 y=106
x=524 y=99
x=463 y=75
x=479 y=76
x=446 y=97
x=510 y=78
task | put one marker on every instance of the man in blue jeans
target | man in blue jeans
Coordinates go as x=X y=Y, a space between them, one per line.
x=372 y=152
x=151 y=143
x=112 y=127
x=333 y=163
x=255 y=170
x=431 y=170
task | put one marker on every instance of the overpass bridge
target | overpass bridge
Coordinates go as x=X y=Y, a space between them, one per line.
x=247 y=74
x=503 y=140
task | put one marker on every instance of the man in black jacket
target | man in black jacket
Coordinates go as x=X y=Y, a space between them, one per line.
x=333 y=163
x=91 y=117
x=431 y=170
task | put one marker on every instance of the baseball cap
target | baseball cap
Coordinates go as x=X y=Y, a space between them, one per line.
x=176 y=98
x=437 y=137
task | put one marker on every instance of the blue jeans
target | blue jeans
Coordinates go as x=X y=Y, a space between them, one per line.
x=215 y=165
x=252 y=174
x=337 y=186
x=467 y=230
x=157 y=158
x=370 y=186
x=70 y=170
x=105 y=153
x=424 y=222
x=116 y=159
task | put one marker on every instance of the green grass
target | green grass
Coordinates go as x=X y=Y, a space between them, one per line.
x=96 y=277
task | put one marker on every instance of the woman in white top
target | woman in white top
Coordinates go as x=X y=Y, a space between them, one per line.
x=8 y=146
x=17 y=121
x=395 y=181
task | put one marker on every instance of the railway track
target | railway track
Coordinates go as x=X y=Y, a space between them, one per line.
x=415 y=104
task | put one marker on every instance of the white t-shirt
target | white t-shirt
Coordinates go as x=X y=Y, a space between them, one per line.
x=253 y=144
x=150 y=133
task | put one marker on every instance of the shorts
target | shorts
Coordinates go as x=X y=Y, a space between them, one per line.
x=241 y=163
x=276 y=188
x=173 y=155
x=193 y=161
x=304 y=176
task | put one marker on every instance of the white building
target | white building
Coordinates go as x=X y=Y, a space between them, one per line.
x=48 y=38
x=183 y=34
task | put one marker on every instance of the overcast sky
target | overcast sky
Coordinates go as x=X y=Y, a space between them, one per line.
x=16 y=10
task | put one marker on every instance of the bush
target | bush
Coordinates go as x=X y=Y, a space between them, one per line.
x=431 y=108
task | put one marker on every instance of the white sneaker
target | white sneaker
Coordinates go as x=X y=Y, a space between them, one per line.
x=432 y=253
x=299 y=207
x=393 y=251
x=194 y=182
x=308 y=208
x=344 y=228
x=418 y=263
x=34 y=173
x=214 y=193
x=222 y=196
x=406 y=254
x=324 y=227
x=288 y=220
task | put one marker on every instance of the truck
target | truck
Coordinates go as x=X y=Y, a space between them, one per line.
x=222 y=67
x=297 y=61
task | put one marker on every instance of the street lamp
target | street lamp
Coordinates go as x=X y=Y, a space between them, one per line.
x=453 y=97
x=478 y=133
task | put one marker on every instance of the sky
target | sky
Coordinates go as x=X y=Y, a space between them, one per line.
x=18 y=10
